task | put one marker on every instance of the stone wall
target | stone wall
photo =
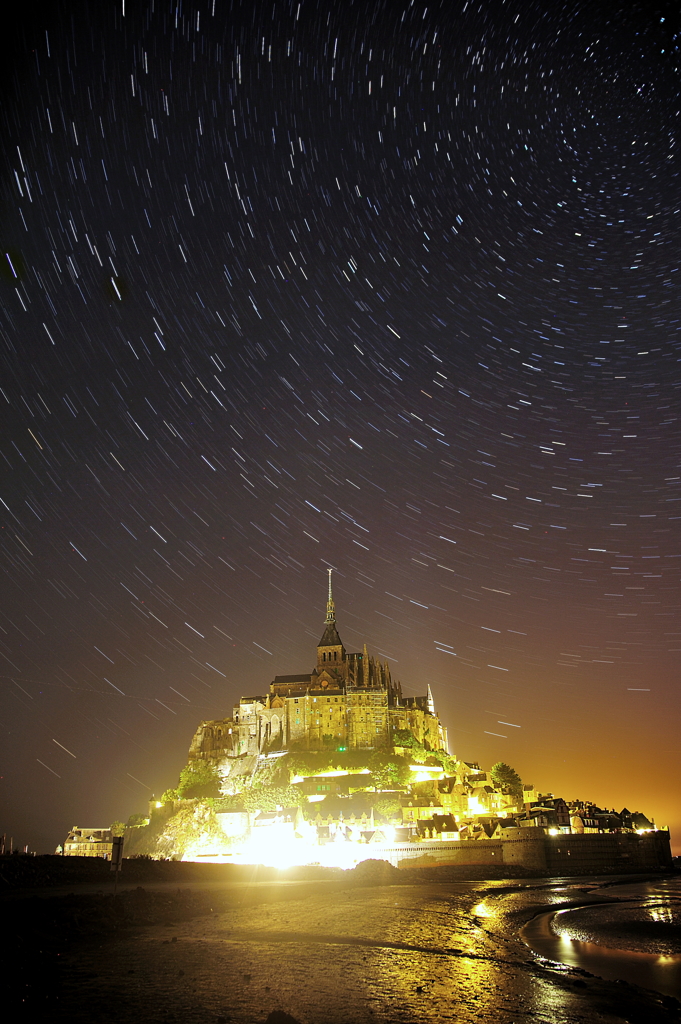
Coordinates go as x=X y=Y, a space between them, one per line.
x=531 y=849
x=595 y=853
x=437 y=854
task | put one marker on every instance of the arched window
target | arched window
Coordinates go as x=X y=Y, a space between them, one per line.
x=335 y=655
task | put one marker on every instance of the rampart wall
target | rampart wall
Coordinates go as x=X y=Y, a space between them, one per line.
x=531 y=849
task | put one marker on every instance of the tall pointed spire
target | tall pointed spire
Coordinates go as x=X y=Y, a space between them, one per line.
x=330 y=607
x=330 y=639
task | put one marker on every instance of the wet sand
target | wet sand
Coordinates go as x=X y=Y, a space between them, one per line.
x=337 y=953
x=635 y=935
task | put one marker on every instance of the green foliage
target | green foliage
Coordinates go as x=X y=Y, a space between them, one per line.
x=117 y=828
x=221 y=804
x=419 y=753
x=268 y=798
x=446 y=760
x=405 y=738
x=198 y=779
x=506 y=777
x=310 y=762
x=388 y=807
x=388 y=771
x=169 y=796
x=137 y=821
x=314 y=762
x=349 y=759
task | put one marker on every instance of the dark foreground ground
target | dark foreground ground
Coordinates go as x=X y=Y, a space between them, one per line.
x=326 y=948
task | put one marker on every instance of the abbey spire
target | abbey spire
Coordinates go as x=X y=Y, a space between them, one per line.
x=330 y=650
x=330 y=607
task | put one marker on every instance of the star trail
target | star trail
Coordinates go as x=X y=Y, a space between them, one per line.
x=386 y=287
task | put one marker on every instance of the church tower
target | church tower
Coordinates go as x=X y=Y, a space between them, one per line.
x=330 y=650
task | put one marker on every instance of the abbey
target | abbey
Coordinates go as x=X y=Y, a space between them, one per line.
x=349 y=700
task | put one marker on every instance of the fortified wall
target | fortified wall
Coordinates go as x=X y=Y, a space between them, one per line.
x=535 y=851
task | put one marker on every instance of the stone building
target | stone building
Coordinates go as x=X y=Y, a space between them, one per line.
x=349 y=700
x=89 y=842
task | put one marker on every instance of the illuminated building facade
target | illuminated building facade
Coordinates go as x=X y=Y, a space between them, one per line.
x=89 y=842
x=349 y=700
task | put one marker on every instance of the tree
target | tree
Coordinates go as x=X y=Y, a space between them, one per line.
x=388 y=807
x=137 y=821
x=198 y=779
x=446 y=760
x=388 y=771
x=117 y=828
x=308 y=762
x=506 y=777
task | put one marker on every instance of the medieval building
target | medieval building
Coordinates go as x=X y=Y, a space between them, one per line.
x=348 y=700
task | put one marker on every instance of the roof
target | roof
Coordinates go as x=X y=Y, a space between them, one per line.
x=330 y=637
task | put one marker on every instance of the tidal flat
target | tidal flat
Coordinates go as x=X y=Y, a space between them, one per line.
x=339 y=951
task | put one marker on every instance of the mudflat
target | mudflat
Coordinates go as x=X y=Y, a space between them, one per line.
x=346 y=949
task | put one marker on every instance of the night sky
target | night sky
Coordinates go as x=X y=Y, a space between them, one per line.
x=389 y=287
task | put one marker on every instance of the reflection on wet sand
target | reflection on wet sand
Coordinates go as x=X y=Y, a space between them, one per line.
x=341 y=954
x=626 y=940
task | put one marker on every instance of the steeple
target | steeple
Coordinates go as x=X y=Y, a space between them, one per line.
x=330 y=607
x=330 y=650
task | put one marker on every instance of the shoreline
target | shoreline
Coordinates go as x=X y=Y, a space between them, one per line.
x=21 y=873
x=660 y=973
